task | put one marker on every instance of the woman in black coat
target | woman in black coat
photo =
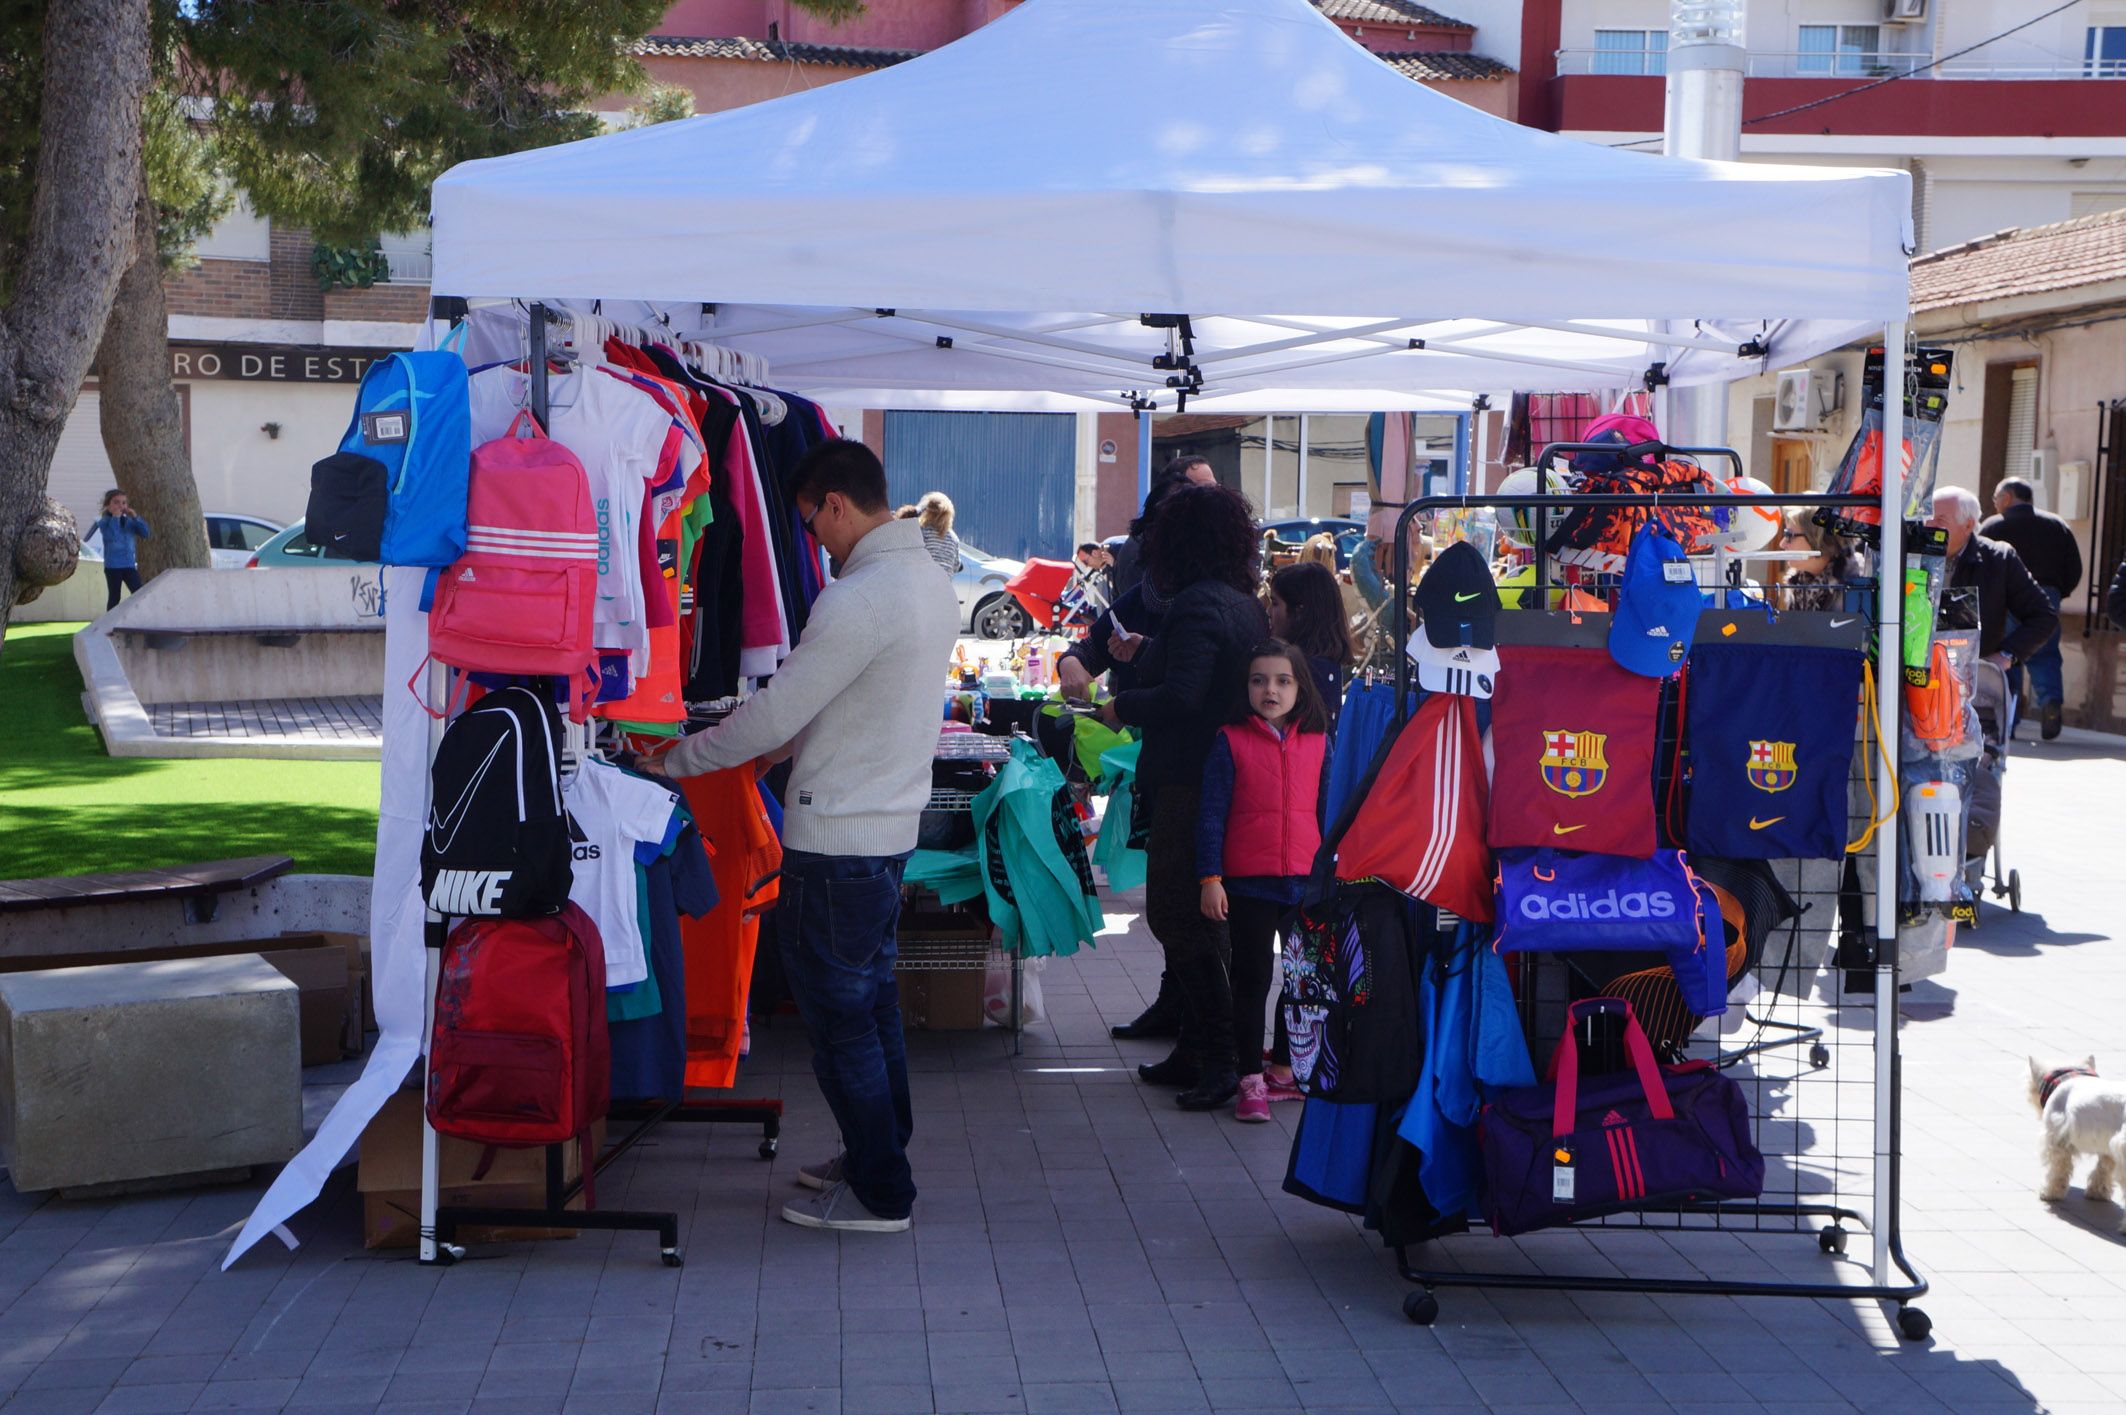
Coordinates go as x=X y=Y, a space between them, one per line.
x=1203 y=554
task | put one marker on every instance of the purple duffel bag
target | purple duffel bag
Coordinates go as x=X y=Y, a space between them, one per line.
x=1653 y=1135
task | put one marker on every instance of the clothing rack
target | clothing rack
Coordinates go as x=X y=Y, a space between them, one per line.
x=591 y=328
x=441 y=1223
x=1895 y=1280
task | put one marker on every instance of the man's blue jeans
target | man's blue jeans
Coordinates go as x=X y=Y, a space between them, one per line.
x=835 y=923
x=2047 y=676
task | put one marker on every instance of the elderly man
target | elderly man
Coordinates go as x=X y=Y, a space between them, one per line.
x=2053 y=557
x=856 y=705
x=2006 y=592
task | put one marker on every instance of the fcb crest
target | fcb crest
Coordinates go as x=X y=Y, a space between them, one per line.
x=1771 y=766
x=1573 y=764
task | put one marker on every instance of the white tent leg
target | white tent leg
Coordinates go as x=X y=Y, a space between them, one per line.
x=1144 y=455
x=1303 y=512
x=1890 y=600
x=432 y=961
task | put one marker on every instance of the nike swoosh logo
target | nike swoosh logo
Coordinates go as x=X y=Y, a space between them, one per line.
x=1465 y=598
x=1569 y=829
x=1756 y=824
x=1840 y=623
x=456 y=816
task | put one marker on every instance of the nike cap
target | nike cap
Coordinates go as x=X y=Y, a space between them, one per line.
x=1463 y=669
x=1657 y=606
x=1458 y=601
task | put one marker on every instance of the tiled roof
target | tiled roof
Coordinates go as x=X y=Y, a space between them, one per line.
x=667 y=46
x=1387 y=12
x=1446 y=66
x=2028 y=260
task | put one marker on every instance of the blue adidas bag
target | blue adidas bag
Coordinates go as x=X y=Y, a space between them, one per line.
x=1770 y=732
x=413 y=417
x=1555 y=901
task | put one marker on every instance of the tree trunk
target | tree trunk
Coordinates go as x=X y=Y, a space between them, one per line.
x=79 y=244
x=143 y=423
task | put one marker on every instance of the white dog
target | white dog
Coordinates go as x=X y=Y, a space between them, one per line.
x=2082 y=1114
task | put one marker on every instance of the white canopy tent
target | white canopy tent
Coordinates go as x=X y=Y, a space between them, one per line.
x=995 y=217
x=989 y=226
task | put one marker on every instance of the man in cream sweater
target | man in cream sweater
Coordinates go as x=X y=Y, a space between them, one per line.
x=857 y=704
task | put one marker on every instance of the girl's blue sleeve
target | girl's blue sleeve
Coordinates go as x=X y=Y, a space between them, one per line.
x=1217 y=800
x=140 y=527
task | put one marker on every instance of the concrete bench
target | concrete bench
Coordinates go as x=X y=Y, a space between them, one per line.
x=134 y=1073
x=200 y=886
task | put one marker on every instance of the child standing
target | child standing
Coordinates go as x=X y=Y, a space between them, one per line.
x=1307 y=612
x=1256 y=839
x=120 y=528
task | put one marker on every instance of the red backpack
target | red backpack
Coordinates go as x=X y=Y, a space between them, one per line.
x=520 y=1055
x=519 y=600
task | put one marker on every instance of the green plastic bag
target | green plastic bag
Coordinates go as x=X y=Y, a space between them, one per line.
x=1124 y=866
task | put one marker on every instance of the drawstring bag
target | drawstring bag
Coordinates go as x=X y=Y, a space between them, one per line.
x=1551 y=901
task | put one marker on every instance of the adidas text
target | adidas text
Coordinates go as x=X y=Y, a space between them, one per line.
x=468 y=891
x=1639 y=904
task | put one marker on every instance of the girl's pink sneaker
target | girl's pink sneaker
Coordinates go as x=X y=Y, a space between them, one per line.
x=1252 y=1106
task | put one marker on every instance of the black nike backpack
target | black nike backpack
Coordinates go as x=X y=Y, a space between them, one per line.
x=498 y=840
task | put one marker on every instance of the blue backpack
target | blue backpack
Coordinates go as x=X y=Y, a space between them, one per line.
x=413 y=418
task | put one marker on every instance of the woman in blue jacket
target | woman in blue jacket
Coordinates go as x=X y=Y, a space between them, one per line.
x=121 y=529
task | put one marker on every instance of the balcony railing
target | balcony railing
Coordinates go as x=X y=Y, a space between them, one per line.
x=1768 y=65
x=409 y=267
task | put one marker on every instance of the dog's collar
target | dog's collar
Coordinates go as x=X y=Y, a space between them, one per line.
x=2054 y=1079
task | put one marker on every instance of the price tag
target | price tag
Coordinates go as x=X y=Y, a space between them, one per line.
x=1562 y=1175
x=381 y=428
x=1676 y=572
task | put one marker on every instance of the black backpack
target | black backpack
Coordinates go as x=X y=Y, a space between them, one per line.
x=498 y=838
x=349 y=494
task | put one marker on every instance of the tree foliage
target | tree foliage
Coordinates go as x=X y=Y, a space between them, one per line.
x=660 y=103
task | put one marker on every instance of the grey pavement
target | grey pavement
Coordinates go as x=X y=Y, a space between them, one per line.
x=1082 y=1246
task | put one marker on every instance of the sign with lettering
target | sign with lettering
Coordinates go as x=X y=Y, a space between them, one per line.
x=271 y=363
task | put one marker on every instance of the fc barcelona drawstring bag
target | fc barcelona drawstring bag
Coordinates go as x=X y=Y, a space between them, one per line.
x=1771 y=745
x=1572 y=742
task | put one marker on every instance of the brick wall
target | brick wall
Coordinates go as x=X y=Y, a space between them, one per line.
x=295 y=294
x=229 y=289
x=399 y=303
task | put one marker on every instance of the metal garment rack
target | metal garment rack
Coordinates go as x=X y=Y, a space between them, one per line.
x=959 y=955
x=440 y=1223
x=1895 y=1280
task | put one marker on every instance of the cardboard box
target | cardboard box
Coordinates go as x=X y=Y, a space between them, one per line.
x=360 y=1017
x=322 y=966
x=943 y=999
x=388 y=1177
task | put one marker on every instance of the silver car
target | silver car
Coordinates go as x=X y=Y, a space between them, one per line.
x=987 y=611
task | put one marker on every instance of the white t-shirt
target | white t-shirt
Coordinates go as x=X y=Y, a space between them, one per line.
x=617 y=431
x=612 y=811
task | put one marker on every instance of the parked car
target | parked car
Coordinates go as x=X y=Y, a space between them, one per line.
x=232 y=539
x=291 y=547
x=986 y=610
x=1298 y=532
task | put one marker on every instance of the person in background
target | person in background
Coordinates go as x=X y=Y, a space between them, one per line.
x=120 y=529
x=1257 y=831
x=1128 y=570
x=2053 y=557
x=1089 y=585
x=1817 y=583
x=935 y=512
x=1204 y=553
x=855 y=707
x=907 y=512
x=1307 y=612
x=2115 y=597
x=2007 y=595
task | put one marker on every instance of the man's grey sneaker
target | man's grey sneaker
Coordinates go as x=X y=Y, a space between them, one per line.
x=823 y=1175
x=837 y=1208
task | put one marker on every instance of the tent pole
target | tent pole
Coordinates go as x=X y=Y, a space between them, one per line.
x=1303 y=466
x=1144 y=454
x=1889 y=660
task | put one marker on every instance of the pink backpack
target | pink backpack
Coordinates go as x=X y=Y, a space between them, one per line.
x=519 y=599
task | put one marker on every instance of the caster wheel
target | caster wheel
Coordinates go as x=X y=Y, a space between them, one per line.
x=1914 y=1324
x=768 y=1148
x=2015 y=891
x=1819 y=1056
x=1832 y=1239
x=1421 y=1308
x=674 y=1258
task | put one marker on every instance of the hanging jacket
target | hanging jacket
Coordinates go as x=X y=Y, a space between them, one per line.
x=1034 y=869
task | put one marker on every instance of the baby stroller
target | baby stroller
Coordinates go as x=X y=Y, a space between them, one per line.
x=1995 y=702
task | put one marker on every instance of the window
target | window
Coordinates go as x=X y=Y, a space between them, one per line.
x=236 y=533
x=242 y=234
x=1631 y=51
x=407 y=256
x=1848 y=51
x=2104 y=52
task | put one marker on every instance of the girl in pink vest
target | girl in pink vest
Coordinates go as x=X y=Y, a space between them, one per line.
x=1255 y=843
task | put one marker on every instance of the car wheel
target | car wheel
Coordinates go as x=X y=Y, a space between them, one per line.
x=1001 y=617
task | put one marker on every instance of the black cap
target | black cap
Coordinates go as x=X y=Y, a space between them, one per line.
x=1457 y=599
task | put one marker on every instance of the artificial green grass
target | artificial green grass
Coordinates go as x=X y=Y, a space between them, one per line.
x=67 y=807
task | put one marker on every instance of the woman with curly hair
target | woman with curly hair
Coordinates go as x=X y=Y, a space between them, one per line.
x=1202 y=553
x=935 y=512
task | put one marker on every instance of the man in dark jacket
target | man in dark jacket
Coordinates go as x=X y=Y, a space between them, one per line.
x=2007 y=595
x=2115 y=597
x=2054 y=559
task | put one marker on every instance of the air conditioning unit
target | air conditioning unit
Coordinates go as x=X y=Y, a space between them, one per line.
x=1904 y=12
x=1794 y=410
